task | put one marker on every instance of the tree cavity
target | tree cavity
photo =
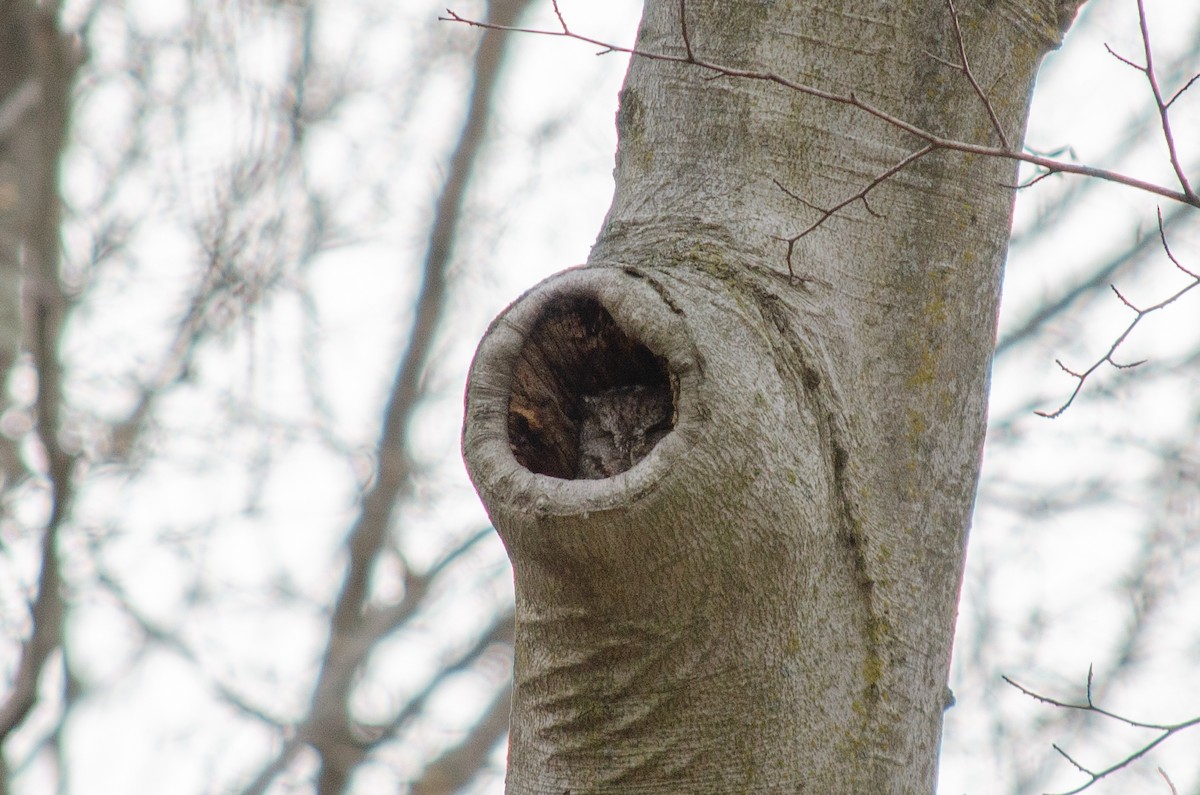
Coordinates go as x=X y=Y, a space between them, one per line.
x=588 y=400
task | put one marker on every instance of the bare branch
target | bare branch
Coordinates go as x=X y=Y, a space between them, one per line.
x=1139 y=314
x=1035 y=180
x=683 y=29
x=354 y=627
x=458 y=765
x=53 y=64
x=1123 y=59
x=1162 y=235
x=1076 y=292
x=1163 y=113
x=964 y=66
x=936 y=141
x=1181 y=91
x=827 y=213
x=175 y=644
x=1163 y=105
x=558 y=14
x=501 y=631
x=1163 y=732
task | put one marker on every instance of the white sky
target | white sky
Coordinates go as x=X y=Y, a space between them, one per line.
x=536 y=208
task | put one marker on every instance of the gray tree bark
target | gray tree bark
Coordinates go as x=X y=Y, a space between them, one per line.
x=763 y=598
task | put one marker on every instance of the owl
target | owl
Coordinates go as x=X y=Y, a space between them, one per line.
x=620 y=426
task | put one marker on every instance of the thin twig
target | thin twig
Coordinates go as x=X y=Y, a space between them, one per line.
x=933 y=142
x=683 y=30
x=1164 y=732
x=1181 y=91
x=1163 y=106
x=1139 y=314
x=964 y=66
x=932 y=139
x=1163 y=112
x=827 y=213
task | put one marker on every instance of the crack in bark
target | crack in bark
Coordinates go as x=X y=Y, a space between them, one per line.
x=814 y=389
x=658 y=286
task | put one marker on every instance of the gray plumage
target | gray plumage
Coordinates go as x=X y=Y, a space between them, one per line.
x=620 y=426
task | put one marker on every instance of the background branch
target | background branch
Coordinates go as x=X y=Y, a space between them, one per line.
x=1164 y=732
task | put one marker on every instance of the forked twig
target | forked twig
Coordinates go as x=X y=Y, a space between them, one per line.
x=1139 y=314
x=827 y=213
x=964 y=66
x=931 y=139
x=933 y=142
x=1163 y=106
x=1163 y=731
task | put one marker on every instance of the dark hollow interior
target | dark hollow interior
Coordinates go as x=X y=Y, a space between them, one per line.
x=574 y=357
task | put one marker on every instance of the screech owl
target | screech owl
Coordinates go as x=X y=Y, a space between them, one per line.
x=620 y=426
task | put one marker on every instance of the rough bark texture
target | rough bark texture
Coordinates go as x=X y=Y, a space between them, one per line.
x=765 y=602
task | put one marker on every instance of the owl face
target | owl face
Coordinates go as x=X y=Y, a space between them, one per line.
x=620 y=426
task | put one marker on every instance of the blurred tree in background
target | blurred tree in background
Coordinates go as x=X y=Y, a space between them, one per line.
x=237 y=549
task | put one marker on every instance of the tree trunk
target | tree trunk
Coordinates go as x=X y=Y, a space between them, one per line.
x=736 y=499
